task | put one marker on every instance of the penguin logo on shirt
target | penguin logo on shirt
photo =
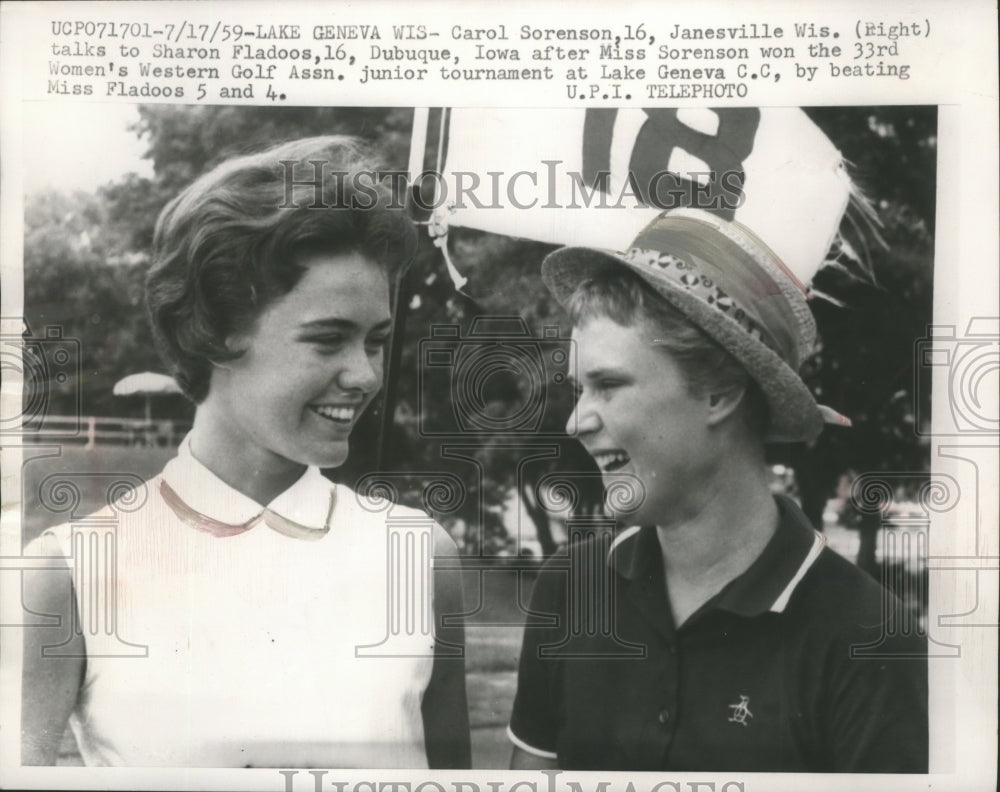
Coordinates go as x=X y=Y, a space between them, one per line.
x=741 y=712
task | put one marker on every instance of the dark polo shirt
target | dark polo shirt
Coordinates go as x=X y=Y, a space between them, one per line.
x=803 y=663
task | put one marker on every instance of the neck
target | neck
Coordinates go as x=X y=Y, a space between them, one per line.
x=721 y=534
x=257 y=473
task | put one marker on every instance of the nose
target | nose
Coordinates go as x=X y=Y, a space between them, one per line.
x=583 y=420
x=361 y=371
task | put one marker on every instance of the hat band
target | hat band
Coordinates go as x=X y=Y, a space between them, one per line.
x=722 y=275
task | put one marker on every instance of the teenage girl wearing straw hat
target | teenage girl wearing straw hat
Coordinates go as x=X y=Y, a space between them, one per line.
x=723 y=634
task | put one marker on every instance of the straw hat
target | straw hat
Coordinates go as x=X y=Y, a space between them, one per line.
x=727 y=282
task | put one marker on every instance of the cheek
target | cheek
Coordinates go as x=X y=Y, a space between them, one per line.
x=661 y=445
x=637 y=422
x=272 y=387
x=286 y=367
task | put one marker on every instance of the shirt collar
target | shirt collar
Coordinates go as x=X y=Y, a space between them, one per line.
x=767 y=585
x=306 y=502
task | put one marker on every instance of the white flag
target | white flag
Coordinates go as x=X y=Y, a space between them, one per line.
x=597 y=177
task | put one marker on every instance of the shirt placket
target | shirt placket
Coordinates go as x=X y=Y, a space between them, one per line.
x=661 y=715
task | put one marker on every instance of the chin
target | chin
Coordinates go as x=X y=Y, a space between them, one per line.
x=327 y=457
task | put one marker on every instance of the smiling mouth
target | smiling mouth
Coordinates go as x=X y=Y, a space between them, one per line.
x=609 y=461
x=342 y=416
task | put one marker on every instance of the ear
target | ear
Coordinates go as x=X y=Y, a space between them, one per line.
x=237 y=342
x=723 y=404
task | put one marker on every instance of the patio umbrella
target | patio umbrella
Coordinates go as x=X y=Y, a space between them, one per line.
x=148 y=384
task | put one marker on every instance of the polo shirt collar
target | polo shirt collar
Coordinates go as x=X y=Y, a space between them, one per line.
x=767 y=585
x=307 y=502
x=635 y=552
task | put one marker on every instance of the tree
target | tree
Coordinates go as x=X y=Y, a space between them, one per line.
x=79 y=278
x=865 y=367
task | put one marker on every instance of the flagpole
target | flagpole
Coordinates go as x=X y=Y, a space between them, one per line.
x=401 y=296
x=418 y=142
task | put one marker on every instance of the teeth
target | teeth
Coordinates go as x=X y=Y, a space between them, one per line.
x=612 y=459
x=335 y=413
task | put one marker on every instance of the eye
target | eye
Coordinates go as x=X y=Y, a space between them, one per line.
x=378 y=342
x=326 y=344
x=607 y=385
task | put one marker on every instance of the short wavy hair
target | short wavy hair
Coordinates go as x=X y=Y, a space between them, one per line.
x=230 y=244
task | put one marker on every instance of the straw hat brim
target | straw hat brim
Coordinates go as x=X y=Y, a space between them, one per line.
x=793 y=412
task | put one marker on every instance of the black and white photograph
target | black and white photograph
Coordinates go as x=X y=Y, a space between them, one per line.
x=605 y=441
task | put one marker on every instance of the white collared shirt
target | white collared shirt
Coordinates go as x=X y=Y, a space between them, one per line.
x=205 y=492
x=258 y=649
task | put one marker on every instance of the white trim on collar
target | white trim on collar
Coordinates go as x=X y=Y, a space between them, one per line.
x=626 y=534
x=529 y=748
x=819 y=542
x=306 y=502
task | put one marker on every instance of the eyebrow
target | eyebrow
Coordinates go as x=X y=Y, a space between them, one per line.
x=334 y=323
x=597 y=373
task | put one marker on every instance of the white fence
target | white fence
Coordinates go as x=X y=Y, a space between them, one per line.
x=90 y=431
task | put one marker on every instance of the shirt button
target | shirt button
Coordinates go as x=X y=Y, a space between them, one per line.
x=664 y=716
